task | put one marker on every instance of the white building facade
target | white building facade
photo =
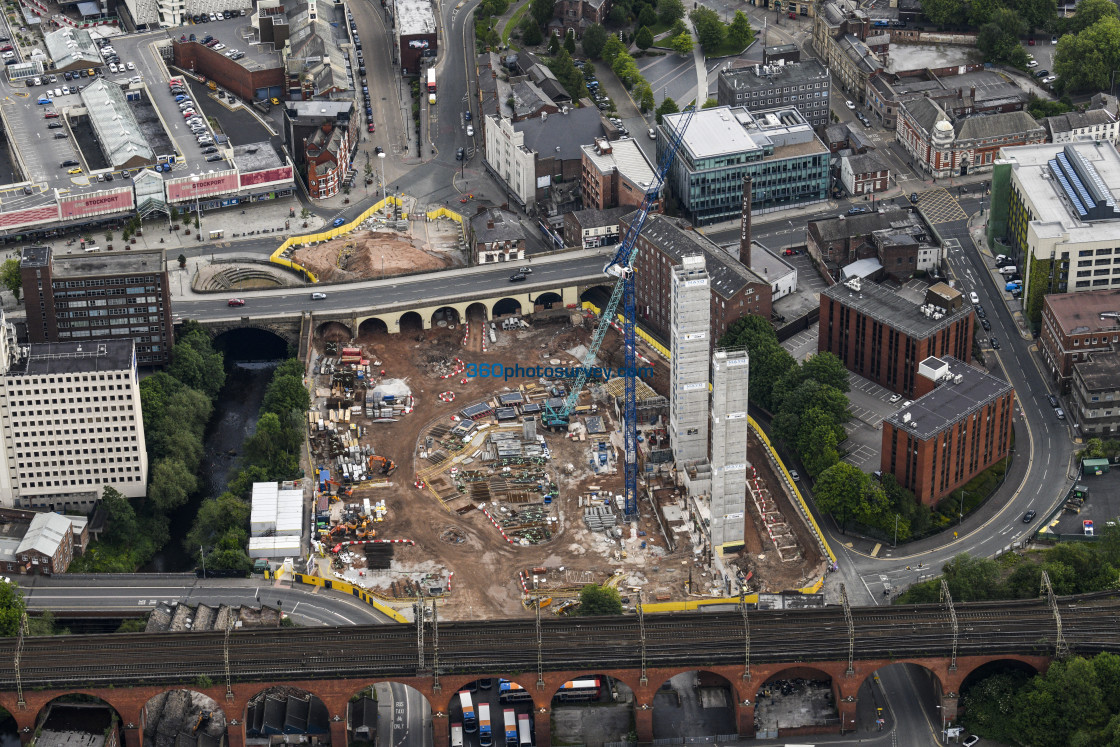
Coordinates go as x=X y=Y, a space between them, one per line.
x=510 y=160
x=72 y=424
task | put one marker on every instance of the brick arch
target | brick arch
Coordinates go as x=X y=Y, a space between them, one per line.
x=327 y=326
x=215 y=706
x=591 y=674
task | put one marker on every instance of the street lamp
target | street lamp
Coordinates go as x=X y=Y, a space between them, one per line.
x=961 y=519
x=384 y=186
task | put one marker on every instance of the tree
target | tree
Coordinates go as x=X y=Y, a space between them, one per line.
x=121 y=525
x=195 y=362
x=530 y=32
x=599 y=600
x=668 y=106
x=553 y=44
x=182 y=260
x=647 y=16
x=286 y=394
x=594 y=37
x=11 y=278
x=679 y=28
x=170 y=484
x=827 y=369
x=268 y=447
x=739 y=30
x=570 y=76
x=644 y=96
x=215 y=517
x=542 y=10
x=1090 y=12
x=841 y=490
x=570 y=43
x=710 y=103
x=670 y=11
x=644 y=39
x=1085 y=61
x=944 y=12
x=824 y=453
x=612 y=48
x=681 y=43
x=619 y=15
x=709 y=29
x=12 y=608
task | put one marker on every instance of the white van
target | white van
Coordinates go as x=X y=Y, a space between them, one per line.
x=1008 y=270
x=92 y=248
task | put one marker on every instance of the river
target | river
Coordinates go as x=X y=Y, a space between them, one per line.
x=235 y=419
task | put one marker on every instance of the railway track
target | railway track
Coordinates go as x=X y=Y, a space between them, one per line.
x=1091 y=623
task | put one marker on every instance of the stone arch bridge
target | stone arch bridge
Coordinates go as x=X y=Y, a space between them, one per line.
x=748 y=648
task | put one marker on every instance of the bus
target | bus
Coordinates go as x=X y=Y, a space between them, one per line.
x=431 y=85
x=511 y=692
x=456 y=735
x=577 y=690
x=524 y=729
x=485 y=731
x=470 y=722
x=510 y=718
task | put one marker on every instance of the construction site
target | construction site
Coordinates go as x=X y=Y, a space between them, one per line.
x=508 y=494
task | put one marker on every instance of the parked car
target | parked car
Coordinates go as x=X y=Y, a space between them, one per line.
x=1049 y=79
x=987 y=326
x=69 y=162
x=1087 y=526
x=1052 y=400
x=213 y=158
x=994 y=343
x=470 y=130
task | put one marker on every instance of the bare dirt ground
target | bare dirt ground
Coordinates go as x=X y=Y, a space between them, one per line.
x=370 y=254
x=485 y=566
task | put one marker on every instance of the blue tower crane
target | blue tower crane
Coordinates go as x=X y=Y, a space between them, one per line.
x=621 y=268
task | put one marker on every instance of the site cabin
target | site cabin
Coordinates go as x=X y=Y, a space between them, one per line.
x=524 y=729
x=456 y=735
x=511 y=692
x=485 y=731
x=470 y=723
x=510 y=718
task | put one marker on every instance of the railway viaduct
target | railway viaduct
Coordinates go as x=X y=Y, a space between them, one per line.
x=747 y=648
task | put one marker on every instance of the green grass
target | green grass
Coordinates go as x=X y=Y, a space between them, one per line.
x=727 y=48
x=513 y=22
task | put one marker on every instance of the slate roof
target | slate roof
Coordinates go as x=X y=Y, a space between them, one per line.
x=989 y=126
x=865 y=163
x=561 y=135
x=925 y=113
x=1076 y=120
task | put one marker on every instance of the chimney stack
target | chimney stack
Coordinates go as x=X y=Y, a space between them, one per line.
x=745 y=224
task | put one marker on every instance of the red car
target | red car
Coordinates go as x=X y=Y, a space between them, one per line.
x=50 y=115
x=1030 y=42
x=236 y=302
x=7 y=48
x=370 y=128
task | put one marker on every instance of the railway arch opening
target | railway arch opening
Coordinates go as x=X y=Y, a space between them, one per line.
x=445 y=316
x=489 y=710
x=277 y=714
x=506 y=306
x=78 y=716
x=694 y=704
x=389 y=713
x=251 y=344
x=183 y=714
x=873 y=714
x=798 y=700
x=372 y=327
x=411 y=323
x=592 y=709
x=334 y=332
x=548 y=300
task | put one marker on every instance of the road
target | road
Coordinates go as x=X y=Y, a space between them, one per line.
x=583 y=267
x=140 y=592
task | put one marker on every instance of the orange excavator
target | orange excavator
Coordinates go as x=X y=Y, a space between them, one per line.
x=340 y=489
x=382 y=465
x=202 y=719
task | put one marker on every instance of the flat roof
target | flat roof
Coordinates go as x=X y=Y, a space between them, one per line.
x=714 y=132
x=48 y=358
x=1045 y=194
x=256 y=156
x=889 y=308
x=104 y=263
x=626 y=157
x=1078 y=313
x=415 y=17
x=759 y=77
x=1101 y=371
x=951 y=400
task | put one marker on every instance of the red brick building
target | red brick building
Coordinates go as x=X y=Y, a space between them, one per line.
x=736 y=289
x=229 y=74
x=865 y=173
x=326 y=154
x=1074 y=325
x=883 y=336
x=615 y=173
x=959 y=426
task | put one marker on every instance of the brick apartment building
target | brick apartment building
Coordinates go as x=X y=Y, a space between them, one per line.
x=99 y=296
x=326 y=155
x=1076 y=325
x=1096 y=395
x=615 y=174
x=736 y=289
x=959 y=425
x=883 y=336
x=591 y=229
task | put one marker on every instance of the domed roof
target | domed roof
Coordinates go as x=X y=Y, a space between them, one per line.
x=944 y=126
